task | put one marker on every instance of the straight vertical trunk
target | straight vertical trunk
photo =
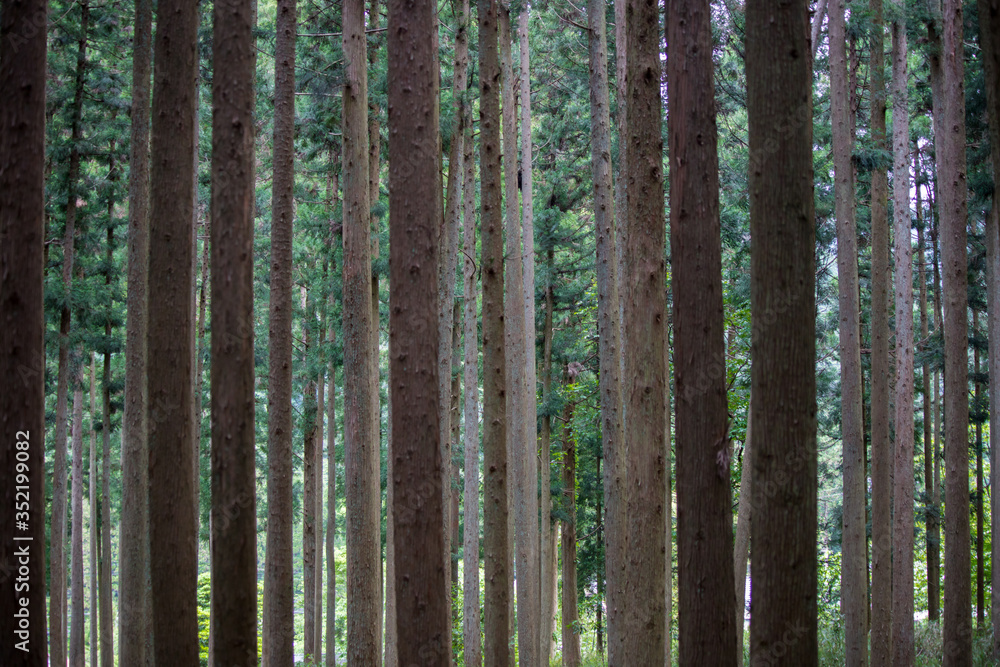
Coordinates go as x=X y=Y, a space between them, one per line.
x=77 y=648
x=22 y=323
x=104 y=551
x=420 y=581
x=741 y=542
x=57 y=554
x=707 y=631
x=330 y=634
x=361 y=449
x=278 y=622
x=173 y=538
x=570 y=615
x=317 y=648
x=608 y=304
x=989 y=27
x=471 y=630
x=455 y=477
x=934 y=559
x=310 y=412
x=881 y=446
x=951 y=170
x=783 y=347
x=519 y=446
x=903 y=519
x=817 y=26
x=234 y=516
x=92 y=479
x=135 y=610
x=854 y=587
x=980 y=565
x=496 y=571
x=645 y=311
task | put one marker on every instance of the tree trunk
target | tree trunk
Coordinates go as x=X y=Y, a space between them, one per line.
x=361 y=449
x=934 y=558
x=92 y=483
x=817 y=26
x=135 y=608
x=22 y=326
x=330 y=643
x=980 y=579
x=77 y=648
x=310 y=412
x=881 y=446
x=704 y=502
x=173 y=538
x=519 y=446
x=234 y=515
x=783 y=348
x=608 y=303
x=495 y=535
x=854 y=585
x=741 y=543
x=472 y=630
x=903 y=519
x=278 y=622
x=317 y=649
x=57 y=556
x=953 y=210
x=570 y=615
x=420 y=581
x=989 y=26
x=104 y=551
x=455 y=478
x=645 y=311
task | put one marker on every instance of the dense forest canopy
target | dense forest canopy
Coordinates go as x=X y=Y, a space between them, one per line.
x=452 y=333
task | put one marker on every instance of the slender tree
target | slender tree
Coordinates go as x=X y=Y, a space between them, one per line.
x=77 y=649
x=92 y=478
x=951 y=170
x=495 y=534
x=881 y=447
x=106 y=612
x=783 y=346
x=645 y=311
x=234 y=518
x=903 y=519
x=310 y=413
x=471 y=631
x=173 y=539
x=134 y=619
x=704 y=505
x=570 y=614
x=741 y=540
x=414 y=211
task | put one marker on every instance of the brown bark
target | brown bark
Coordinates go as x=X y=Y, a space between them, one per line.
x=608 y=304
x=22 y=324
x=173 y=538
x=420 y=581
x=881 y=447
x=707 y=630
x=989 y=26
x=234 y=517
x=77 y=649
x=980 y=579
x=645 y=367
x=783 y=348
x=455 y=477
x=934 y=557
x=361 y=449
x=854 y=587
x=330 y=638
x=951 y=170
x=472 y=629
x=817 y=26
x=310 y=412
x=741 y=541
x=495 y=534
x=104 y=550
x=92 y=483
x=278 y=629
x=317 y=647
x=570 y=614
x=135 y=610
x=903 y=518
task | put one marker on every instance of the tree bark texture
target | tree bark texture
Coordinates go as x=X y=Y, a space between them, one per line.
x=77 y=648
x=570 y=615
x=741 y=541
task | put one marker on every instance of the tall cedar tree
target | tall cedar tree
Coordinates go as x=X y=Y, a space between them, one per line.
x=570 y=613
x=608 y=321
x=704 y=500
x=173 y=539
x=854 y=586
x=881 y=447
x=106 y=637
x=783 y=346
x=234 y=518
x=645 y=312
x=520 y=444
x=361 y=451
x=741 y=540
x=310 y=412
x=471 y=626
x=57 y=555
x=134 y=600
x=22 y=320
x=92 y=489
x=989 y=29
x=951 y=170
x=77 y=649
x=422 y=602
x=903 y=519
x=495 y=534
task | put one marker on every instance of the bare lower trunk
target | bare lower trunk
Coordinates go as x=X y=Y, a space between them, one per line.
x=331 y=504
x=570 y=614
x=317 y=650
x=310 y=412
x=783 y=348
x=92 y=477
x=77 y=649
x=741 y=543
